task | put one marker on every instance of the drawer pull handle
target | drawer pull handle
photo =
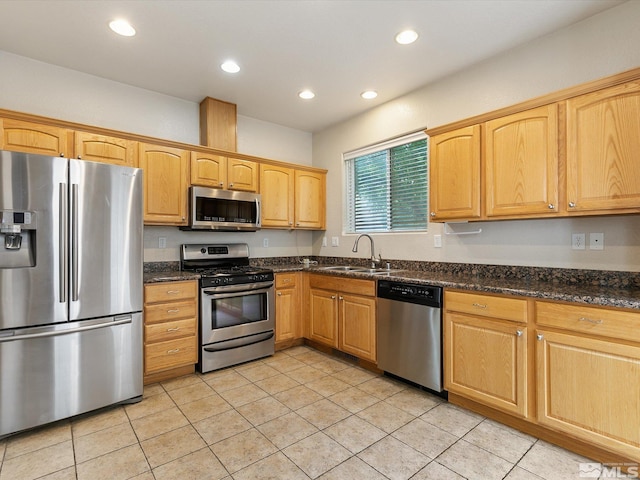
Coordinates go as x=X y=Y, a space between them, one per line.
x=589 y=320
x=175 y=329
x=519 y=333
x=479 y=305
x=173 y=292
x=175 y=310
x=171 y=352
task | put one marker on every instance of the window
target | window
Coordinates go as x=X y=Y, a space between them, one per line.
x=386 y=187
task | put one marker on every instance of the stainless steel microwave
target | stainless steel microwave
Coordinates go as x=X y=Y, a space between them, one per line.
x=224 y=210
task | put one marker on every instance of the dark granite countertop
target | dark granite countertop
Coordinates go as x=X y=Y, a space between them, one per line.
x=613 y=289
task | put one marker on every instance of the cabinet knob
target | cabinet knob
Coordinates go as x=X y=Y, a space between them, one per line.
x=221 y=184
x=572 y=204
x=551 y=206
x=290 y=223
x=433 y=214
x=297 y=224
x=79 y=157
x=519 y=333
x=279 y=294
x=340 y=298
x=333 y=297
x=539 y=336
x=231 y=184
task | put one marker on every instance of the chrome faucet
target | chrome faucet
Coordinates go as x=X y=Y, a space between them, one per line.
x=374 y=260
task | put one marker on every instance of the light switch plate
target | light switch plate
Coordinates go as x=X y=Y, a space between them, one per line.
x=335 y=241
x=437 y=241
x=162 y=242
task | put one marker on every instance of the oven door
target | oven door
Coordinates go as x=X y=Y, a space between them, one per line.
x=235 y=312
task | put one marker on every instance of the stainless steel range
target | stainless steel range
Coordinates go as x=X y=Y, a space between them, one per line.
x=237 y=308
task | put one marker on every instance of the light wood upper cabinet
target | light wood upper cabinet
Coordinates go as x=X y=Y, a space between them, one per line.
x=208 y=170
x=310 y=200
x=485 y=350
x=277 y=189
x=105 y=149
x=216 y=171
x=28 y=137
x=603 y=150
x=242 y=175
x=165 y=184
x=454 y=191
x=521 y=163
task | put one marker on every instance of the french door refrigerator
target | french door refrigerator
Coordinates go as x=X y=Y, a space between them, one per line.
x=70 y=288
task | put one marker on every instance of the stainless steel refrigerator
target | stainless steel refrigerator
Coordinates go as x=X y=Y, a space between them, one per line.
x=70 y=288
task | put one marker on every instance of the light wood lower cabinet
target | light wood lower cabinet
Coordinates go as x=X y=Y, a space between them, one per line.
x=342 y=314
x=485 y=350
x=170 y=329
x=288 y=302
x=588 y=374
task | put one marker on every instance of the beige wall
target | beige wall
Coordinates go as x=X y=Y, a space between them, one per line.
x=597 y=47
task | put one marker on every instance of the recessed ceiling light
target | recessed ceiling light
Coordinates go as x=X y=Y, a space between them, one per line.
x=122 y=27
x=306 y=94
x=230 y=66
x=406 y=37
x=369 y=94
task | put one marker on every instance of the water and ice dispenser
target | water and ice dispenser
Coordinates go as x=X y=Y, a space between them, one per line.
x=16 y=231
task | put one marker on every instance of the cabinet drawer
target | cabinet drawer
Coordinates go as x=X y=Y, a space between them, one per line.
x=174 y=353
x=286 y=280
x=593 y=320
x=345 y=285
x=513 y=309
x=170 y=291
x=169 y=311
x=162 y=332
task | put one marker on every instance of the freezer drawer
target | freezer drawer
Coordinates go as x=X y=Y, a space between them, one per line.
x=50 y=373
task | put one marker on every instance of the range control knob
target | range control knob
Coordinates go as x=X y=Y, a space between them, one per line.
x=203 y=251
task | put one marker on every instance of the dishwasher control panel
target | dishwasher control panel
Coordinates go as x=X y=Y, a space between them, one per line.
x=410 y=292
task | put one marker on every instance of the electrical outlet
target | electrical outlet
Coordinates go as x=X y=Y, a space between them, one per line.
x=265 y=242
x=578 y=241
x=162 y=242
x=335 y=241
x=324 y=241
x=437 y=241
x=596 y=241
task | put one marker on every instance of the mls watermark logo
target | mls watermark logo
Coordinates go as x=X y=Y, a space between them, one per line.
x=615 y=470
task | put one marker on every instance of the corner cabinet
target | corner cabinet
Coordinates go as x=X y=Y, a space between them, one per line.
x=29 y=137
x=521 y=163
x=288 y=307
x=588 y=373
x=342 y=314
x=603 y=151
x=170 y=329
x=454 y=191
x=485 y=350
x=165 y=184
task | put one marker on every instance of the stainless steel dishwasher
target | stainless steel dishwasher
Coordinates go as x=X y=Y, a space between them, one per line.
x=410 y=332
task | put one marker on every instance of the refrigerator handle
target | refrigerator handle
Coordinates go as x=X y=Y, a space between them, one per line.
x=119 y=320
x=74 y=243
x=63 y=242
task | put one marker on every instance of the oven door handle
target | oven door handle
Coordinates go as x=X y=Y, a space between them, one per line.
x=217 y=294
x=239 y=342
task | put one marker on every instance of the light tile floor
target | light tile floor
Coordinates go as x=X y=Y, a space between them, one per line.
x=297 y=415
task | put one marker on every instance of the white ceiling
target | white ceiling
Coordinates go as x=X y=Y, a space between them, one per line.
x=336 y=48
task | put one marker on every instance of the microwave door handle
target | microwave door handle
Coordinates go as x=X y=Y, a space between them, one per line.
x=218 y=295
x=258 y=216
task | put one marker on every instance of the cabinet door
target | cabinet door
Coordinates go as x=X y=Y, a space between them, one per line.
x=486 y=360
x=208 y=170
x=323 y=317
x=287 y=314
x=521 y=163
x=603 y=150
x=19 y=136
x=454 y=188
x=101 y=148
x=589 y=389
x=276 y=187
x=310 y=200
x=165 y=184
x=242 y=174
x=358 y=326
